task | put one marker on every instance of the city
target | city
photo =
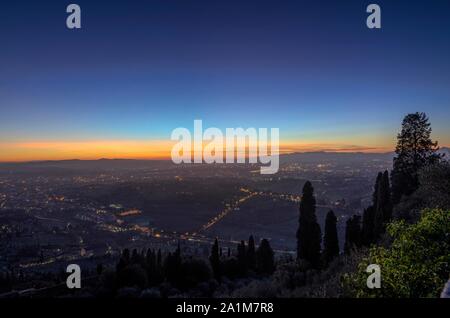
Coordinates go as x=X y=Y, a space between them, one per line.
x=53 y=213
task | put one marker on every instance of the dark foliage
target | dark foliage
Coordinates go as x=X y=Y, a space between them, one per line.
x=352 y=233
x=414 y=150
x=331 y=243
x=265 y=258
x=214 y=259
x=309 y=235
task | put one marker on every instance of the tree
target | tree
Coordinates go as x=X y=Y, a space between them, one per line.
x=265 y=258
x=159 y=260
x=385 y=192
x=193 y=272
x=382 y=205
x=331 y=243
x=367 y=235
x=433 y=192
x=415 y=265
x=172 y=266
x=414 y=150
x=133 y=275
x=352 y=233
x=99 y=269
x=375 y=195
x=251 y=254
x=126 y=255
x=215 y=259
x=242 y=257
x=309 y=235
x=376 y=216
x=124 y=260
x=135 y=259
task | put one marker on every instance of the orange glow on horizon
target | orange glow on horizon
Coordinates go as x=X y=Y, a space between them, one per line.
x=136 y=149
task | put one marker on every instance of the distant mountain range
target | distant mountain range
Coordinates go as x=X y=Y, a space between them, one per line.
x=306 y=157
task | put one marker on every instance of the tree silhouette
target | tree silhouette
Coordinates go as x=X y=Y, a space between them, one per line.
x=383 y=207
x=251 y=254
x=214 y=259
x=367 y=236
x=386 y=197
x=242 y=257
x=308 y=234
x=159 y=260
x=379 y=213
x=331 y=244
x=172 y=266
x=265 y=258
x=414 y=150
x=352 y=233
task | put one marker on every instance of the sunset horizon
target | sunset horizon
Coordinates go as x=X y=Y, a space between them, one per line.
x=143 y=150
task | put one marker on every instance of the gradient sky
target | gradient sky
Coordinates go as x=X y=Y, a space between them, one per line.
x=138 y=69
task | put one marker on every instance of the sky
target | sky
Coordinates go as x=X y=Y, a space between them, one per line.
x=137 y=70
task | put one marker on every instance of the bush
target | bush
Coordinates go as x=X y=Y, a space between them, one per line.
x=193 y=272
x=132 y=276
x=433 y=192
x=416 y=264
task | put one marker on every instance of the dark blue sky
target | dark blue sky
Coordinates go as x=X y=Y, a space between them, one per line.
x=138 y=69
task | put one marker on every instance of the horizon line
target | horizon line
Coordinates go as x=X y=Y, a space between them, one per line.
x=169 y=159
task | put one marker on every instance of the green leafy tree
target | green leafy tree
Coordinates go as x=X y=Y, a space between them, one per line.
x=417 y=264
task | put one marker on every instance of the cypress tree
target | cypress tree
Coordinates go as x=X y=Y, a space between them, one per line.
x=265 y=258
x=251 y=254
x=309 y=235
x=134 y=257
x=159 y=259
x=383 y=208
x=387 y=200
x=242 y=258
x=367 y=236
x=172 y=266
x=352 y=233
x=215 y=259
x=376 y=216
x=331 y=244
x=376 y=188
x=126 y=255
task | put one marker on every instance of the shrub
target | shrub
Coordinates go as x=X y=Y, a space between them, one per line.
x=416 y=264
